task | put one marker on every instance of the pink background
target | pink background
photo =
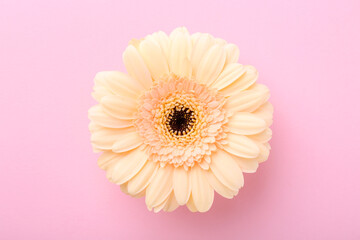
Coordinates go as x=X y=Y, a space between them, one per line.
x=308 y=54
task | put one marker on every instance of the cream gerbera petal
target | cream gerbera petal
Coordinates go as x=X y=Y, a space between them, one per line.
x=120 y=84
x=219 y=187
x=154 y=58
x=247 y=165
x=104 y=138
x=264 y=152
x=181 y=182
x=100 y=92
x=187 y=120
x=226 y=170
x=100 y=89
x=129 y=141
x=241 y=146
x=126 y=165
x=221 y=41
x=246 y=123
x=161 y=206
x=195 y=36
x=139 y=195
x=245 y=81
x=180 y=50
x=232 y=53
x=160 y=186
x=211 y=65
x=231 y=73
x=201 y=44
x=115 y=83
x=191 y=205
x=171 y=204
x=249 y=100
x=143 y=178
x=105 y=159
x=97 y=115
x=136 y=67
x=265 y=112
x=124 y=188
x=201 y=191
x=263 y=136
x=119 y=106
x=162 y=40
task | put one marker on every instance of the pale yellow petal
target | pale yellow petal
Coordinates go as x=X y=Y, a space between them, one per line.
x=128 y=141
x=159 y=207
x=168 y=205
x=245 y=81
x=201 y=191
x=118 y=83
x=231 y=73
x=226 y=170
x=122 y=84
x=143 y=178
x=138 y=195
x=171 y=204
x=136 y=67
x=104 y=138
x=123 y=188
x=154 y=59
x=100 y=87
x=219 y=187
x=264 y=152
x=180 y=51
x=191 y=205
x=246 y=123
x=164 y=42
x=135 y=42
x=93 y=127
x=106 y=159
x=119 y=106
x=263 y=136
x=241 y=146
x=201 y=44
x=95 y=149
x=247 y=165
x=181 y=185
x=265 y=111
x=195 y=36
x=126 y=165
x=97 y=114
x=160 y=186
x=211 y=65
x=100 y=92
x=221 y=41
x=232 y=53
x=248 y=100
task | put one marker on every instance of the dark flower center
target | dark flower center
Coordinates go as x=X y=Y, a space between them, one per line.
x=180 y=120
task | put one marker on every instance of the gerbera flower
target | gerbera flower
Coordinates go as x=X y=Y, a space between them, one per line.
x=186 y=120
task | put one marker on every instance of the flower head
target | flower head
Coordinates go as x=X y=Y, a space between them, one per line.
x=186 y=120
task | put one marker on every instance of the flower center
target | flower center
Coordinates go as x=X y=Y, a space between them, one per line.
x=180 y=120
